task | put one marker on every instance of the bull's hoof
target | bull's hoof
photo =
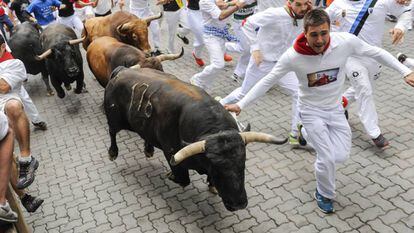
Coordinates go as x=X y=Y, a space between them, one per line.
x=50 y=93
x=172 y=177
x=68 y=87
x=112 y=155
x=61 y=94
x=212 y=190
x=148 y=154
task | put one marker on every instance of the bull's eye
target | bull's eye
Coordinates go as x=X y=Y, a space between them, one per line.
x=134 y=36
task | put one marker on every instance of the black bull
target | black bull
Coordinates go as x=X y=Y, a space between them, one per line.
x=63 y=58
x=25 y=45
x=170 y=114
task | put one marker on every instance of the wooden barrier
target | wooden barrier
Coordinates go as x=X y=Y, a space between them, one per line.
x=20 y=226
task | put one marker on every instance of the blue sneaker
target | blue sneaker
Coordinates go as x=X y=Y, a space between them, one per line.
x=324 y=204
x=301 y=139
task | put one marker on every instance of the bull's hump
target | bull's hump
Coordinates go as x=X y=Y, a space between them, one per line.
x=185 y=89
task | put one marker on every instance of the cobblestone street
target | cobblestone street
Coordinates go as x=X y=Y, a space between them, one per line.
x=85 y=192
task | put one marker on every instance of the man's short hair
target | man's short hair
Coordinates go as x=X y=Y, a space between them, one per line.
x=315 y=17
x=2 y=41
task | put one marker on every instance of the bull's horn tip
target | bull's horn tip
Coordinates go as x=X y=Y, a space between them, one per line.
x=172 y=161
x=182 y=51
x=279 y=140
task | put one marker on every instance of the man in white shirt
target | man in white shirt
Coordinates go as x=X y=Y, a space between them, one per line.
x=366 y=19
x=278 y=28
x=12 y=75
x=215 y=35
x=318 y=58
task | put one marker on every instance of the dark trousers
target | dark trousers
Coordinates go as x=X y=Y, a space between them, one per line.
x=5 y=20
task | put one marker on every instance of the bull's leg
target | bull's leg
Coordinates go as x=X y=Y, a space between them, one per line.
x=148 y=150
x=58 y=87
x=113 y=149
x=211 y=187
x=45 y=78
x=80 y=86
x=178 y=174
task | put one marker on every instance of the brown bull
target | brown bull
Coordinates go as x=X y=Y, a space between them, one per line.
x=123 y=26
x=106 y=53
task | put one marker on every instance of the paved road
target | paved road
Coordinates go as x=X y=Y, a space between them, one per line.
x=85 y=192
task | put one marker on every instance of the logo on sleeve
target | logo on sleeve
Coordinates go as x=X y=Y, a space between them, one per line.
x=323 y=77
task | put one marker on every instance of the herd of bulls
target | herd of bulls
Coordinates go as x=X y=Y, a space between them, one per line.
x=192 y=129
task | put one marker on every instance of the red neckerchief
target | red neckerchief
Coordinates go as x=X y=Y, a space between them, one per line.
x=6 y=56
x=301 y=46
x=291 y=13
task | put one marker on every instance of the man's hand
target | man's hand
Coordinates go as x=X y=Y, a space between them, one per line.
x=233 y=108
x=162 y=2
x=222 y=4
x=403 y=2
x=409 y=79
x=121 y=4
x=257 y=56
x=397 y=36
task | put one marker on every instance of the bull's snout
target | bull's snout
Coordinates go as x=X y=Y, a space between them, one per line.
x=235 y=206
x=73 y=71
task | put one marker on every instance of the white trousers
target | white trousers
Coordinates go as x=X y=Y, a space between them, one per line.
x=329 y=134
x=215 y=47
x=73 y=22
x=85 y=12
x=254 y=74
x=29 y=107
x=154 y=27
x=239 y=47
x=195 y=23
x=172 y=18
x=361 y=74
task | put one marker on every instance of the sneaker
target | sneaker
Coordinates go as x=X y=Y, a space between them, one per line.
x=391 y=18
x=40 y=125
x=7 y=214
x=27 y=173
x=31 y=203
x=293 y=140
x=183 y=38
x=199 y=61
x=324 y=204
x=401 y=57
x=300 y=138
x=381 y=141
x=227 y=58
x=236 y=78
x=218 y=98
x=156 y=52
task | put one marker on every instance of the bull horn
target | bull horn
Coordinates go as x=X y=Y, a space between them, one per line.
x=261 y=137
x=137 y=66
x=173 y=56
x=121 y=29
x=76 y=41
x=43 y=55
x=188 y=151
x=153 y=17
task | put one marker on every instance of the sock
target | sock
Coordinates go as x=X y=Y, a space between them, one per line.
x=4 y=204
x=409 y=62
x=25 y=159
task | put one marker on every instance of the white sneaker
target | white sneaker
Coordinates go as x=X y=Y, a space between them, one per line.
x=7 y=214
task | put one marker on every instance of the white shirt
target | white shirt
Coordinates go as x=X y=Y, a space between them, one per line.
x=276 y=34
x=14 y=73
x=328 y=66
x=103 y=7
x=211 y=14
x=344 y=13
x=138 y=4
x=265 y=4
